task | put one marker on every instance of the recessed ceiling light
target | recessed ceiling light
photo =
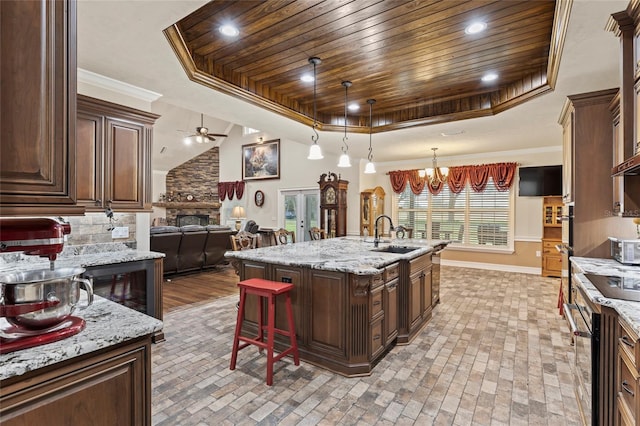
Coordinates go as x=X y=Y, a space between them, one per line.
x=452 y=133
x=307 y=78
x=353 y=107
x=229 y=30
x=475 y=28
x=490 y=77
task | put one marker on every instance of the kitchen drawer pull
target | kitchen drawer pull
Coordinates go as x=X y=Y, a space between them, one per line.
x=392 y=286
x=376 y=303
x=627 y=389
x=567 y=308
x=376 y=337
x=626 y=341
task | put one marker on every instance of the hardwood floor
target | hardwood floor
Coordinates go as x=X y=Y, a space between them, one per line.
x=182 y=291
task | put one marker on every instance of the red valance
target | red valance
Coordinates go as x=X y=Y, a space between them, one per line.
x=476 y=175
x=229 y=189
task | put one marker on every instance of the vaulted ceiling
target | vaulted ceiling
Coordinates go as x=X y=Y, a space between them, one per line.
x=413 y=57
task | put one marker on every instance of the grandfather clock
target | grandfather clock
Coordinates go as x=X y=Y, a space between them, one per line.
x=333 y=204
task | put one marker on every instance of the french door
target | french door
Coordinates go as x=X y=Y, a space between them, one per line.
x=299 y=211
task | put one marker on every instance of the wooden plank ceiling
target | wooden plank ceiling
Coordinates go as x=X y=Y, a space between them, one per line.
x=413 y=57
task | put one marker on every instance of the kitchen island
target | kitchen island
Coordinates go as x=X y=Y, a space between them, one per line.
x=351 y=301
x=101 y=375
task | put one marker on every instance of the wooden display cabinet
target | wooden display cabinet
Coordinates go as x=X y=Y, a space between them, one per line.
x=371 y=206
x=333 y=205
x=551 y=236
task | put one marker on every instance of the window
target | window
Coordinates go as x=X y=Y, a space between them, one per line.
x=249 y=131
x=469 y=219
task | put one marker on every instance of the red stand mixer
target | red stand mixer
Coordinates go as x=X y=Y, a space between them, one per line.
x=36 y=305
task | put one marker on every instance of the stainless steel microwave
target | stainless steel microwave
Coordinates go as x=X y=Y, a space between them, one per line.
x=625 y=251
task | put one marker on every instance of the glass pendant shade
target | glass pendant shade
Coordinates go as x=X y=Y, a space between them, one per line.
x=370 y=168
x=315 y=153
x=344 y=161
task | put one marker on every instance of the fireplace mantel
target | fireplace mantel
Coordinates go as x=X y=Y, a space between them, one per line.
x=188 y=205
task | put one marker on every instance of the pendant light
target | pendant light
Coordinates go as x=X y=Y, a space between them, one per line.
x=370 y=167
x=315 y=153
x=345 y=161
x=434 y=174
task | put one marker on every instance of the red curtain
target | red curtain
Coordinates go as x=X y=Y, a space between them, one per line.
x=476 y=175
x=222 y=190
x=239 y=189
x=503 y=174
x=398 y=180
x=228 y=189
x=416 y=183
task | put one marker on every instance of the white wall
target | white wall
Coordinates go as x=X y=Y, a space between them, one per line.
x=298 y=172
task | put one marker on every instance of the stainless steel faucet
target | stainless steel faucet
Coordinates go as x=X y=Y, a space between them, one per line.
x=376 y=238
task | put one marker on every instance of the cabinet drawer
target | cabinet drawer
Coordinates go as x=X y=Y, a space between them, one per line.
x=376 y=303
x=628 y=384
x=419 y=263
x=376 y=281
x=551 y=245
x=377 y=345
x=391 y=272
x=629 y=344
x=625 y=417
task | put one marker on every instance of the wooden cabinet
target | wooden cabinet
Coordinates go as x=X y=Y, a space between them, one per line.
x=390 y=303
x=415 y=297
x=588 y=138
x=551 y=236
x=628 y=378
x=371 y=206
x=333 y=205
x=114 y=156
x=38 y=108
x=108 y=387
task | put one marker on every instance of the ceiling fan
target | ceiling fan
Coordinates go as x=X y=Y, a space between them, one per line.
x=202 y=134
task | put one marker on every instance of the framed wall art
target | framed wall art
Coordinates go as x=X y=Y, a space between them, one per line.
x=261 y=160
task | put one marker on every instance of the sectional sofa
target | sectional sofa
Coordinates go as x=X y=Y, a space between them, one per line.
x=190 y=248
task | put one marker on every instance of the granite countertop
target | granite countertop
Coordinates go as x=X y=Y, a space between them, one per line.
x=107 y=324
x=77 y=256
x=628 y=311
x=355 y=255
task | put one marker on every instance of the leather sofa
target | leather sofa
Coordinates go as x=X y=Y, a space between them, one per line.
x=190 y=248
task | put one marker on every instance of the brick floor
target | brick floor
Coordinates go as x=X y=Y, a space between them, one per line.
x=494 y=353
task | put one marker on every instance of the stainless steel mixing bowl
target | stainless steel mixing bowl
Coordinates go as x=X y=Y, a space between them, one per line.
x=44 y=285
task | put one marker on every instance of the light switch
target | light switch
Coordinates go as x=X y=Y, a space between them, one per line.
x=120 y=232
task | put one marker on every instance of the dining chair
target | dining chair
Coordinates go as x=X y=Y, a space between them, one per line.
x=317 y=234
x=284 y=237
x=244 y=240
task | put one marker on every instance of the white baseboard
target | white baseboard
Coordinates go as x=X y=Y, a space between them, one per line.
x=493 y=266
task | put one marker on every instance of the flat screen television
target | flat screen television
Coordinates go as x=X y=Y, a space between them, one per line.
x=540 y=181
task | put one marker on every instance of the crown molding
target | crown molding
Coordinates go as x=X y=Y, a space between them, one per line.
x=121 y=87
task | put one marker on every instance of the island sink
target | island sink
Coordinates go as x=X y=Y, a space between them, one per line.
x=396 y=249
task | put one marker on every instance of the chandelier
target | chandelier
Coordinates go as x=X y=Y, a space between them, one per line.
x=434 y=174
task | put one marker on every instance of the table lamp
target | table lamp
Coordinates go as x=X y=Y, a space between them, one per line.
x=237 y=213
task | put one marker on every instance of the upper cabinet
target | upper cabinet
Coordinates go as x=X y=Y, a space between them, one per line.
x=38 y=108
x=113 y=156
x=626 y=113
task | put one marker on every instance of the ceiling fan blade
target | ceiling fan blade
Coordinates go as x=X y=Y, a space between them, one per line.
x=220 y=135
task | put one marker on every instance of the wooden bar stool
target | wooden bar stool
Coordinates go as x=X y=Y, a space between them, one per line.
x=269 y=290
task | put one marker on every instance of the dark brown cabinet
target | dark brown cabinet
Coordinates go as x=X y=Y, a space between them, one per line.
x=333 y=205
x=108 y=387
x=38 y=108
x=114 y=156
x=415 y=297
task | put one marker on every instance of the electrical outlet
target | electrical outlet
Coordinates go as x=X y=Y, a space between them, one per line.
x=538 y=253
x=120 y=232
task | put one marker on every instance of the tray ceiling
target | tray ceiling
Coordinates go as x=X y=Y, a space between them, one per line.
x=413 y=57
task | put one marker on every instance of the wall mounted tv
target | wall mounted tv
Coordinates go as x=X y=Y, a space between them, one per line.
x=540 y=181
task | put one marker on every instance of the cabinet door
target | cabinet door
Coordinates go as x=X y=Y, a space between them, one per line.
x=415 y=299
x=89 y=155
x=124 y=171
x=390 y=306
x=37 y=142
x=426 y=293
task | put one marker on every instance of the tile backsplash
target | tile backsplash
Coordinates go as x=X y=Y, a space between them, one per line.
x=94 y=228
